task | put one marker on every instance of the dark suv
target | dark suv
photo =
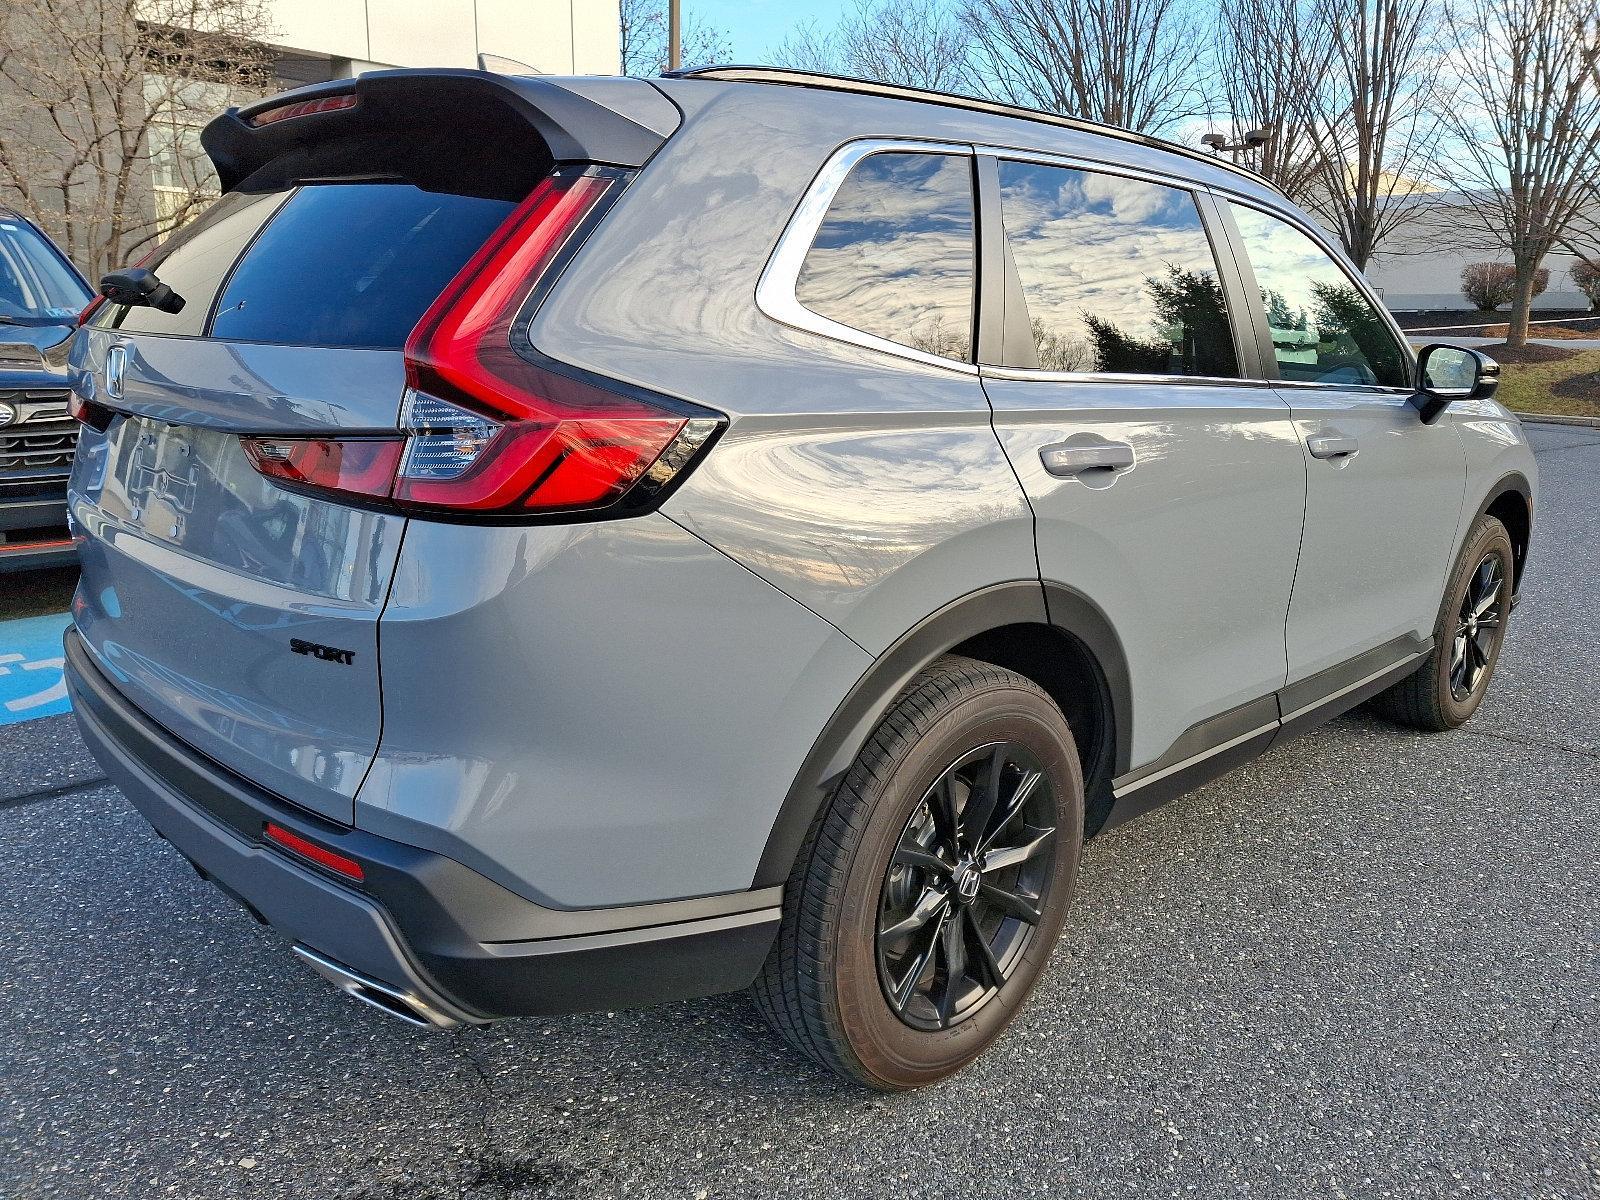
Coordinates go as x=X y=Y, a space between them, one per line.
x=41 y=294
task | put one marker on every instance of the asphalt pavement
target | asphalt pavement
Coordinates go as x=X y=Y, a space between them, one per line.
x=1365 y=965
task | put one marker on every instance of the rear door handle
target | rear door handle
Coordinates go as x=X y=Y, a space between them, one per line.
x=1332 y=445
x=1067 y=459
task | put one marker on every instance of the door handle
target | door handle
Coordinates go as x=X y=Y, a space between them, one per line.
x=1066 y=459
x=1332 y=445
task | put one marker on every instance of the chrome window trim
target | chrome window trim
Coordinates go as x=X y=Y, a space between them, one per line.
x=1408 y=353
x=1078 y=162
x=1176 y=183
x=1041 y=375
x=775 y=291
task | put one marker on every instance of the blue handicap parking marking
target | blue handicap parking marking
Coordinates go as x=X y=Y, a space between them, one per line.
x=30 y=668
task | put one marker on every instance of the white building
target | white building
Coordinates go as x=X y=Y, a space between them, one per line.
x=331 y=39
x=1419 y=265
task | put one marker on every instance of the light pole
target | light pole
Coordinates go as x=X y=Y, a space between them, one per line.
x=674 y=35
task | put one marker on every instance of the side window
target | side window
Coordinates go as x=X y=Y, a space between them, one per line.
x=1324 y=329
x=895 y=255
x=1117 y=274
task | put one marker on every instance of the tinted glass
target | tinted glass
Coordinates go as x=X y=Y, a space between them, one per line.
x=194 y=262
x=34 y=282
x=1118 y=274
x=895 y=256
x=1324 y=329
x=352 y=264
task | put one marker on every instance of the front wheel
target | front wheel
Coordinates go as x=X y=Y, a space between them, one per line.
x=1452 y=681
x=929 y=894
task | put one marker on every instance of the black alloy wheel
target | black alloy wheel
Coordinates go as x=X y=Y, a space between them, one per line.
x=966 y=886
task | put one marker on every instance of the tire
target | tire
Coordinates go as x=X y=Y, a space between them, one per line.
x=826 y=986
x=1437 y=696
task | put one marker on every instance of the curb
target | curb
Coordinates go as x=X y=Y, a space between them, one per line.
x=1557 y=419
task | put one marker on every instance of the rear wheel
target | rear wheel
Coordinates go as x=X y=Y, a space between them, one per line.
x=929 y=894
x=1450 y=684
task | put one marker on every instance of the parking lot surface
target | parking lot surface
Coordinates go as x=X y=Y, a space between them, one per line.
x=1366 y=965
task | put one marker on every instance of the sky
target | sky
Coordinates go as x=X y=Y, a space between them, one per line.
x=755 y=27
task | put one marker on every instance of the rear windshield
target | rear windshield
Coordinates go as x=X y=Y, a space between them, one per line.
x=328 y=264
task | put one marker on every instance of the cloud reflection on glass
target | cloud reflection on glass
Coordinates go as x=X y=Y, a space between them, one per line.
x=895 y=255
x=1117 y=273
x=1324 y=330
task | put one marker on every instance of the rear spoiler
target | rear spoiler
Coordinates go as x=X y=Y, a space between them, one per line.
x=505 y=131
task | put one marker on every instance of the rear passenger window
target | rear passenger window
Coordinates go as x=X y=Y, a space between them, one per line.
x=1324 y=329
x=896 y=254
x=1117 y=275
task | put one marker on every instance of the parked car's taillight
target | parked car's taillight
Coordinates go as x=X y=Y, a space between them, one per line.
x=487 y=428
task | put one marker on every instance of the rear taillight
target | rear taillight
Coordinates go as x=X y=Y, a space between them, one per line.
x=87 y=412
x=491 y=429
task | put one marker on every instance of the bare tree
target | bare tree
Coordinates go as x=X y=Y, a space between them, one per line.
x=912 y=42
x=1267 y=54
x=100 y=145
x=1133 y=63
x=644 y=39
x=1524 y=127
x=1368 y=120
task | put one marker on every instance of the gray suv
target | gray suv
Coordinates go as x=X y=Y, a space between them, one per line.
x=555 y=544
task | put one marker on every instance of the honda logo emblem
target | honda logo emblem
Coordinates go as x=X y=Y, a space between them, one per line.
x=116 y=364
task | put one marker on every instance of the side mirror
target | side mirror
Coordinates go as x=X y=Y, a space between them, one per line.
x=1446 y=374
x=140 y=287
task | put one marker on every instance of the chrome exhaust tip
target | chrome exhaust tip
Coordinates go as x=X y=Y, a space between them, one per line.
x=402 y=1005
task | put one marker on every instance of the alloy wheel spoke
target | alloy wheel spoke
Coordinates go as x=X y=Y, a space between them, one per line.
x=984 y=800
x=909 y=854
x=929 y=905
x=1010 y=903
x=942 y=804
x=1025 y=789
x=907 y=986
x=990 y=968
x=1010 y=856
x=954 y=940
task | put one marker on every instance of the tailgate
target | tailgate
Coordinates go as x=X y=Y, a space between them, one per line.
x=241 y=616
x=241 y=611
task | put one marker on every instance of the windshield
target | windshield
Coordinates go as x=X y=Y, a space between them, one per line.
x=36 y=285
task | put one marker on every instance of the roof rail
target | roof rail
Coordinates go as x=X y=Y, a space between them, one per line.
x=845 y=83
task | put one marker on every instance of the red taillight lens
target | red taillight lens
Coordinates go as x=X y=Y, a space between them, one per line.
x=560 y=444
x=489 y=429
x=302 y=108
x=87 y=412
x=310 y=851
x=355 y=466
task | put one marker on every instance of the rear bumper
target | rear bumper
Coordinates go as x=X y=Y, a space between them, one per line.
x=457 y=946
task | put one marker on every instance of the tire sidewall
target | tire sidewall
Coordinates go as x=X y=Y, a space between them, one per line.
x=892 y=1053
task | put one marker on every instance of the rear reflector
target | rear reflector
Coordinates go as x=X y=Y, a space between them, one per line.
x=491 y=429
x=303 y=108
x=323 y=857
x=355 y=466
